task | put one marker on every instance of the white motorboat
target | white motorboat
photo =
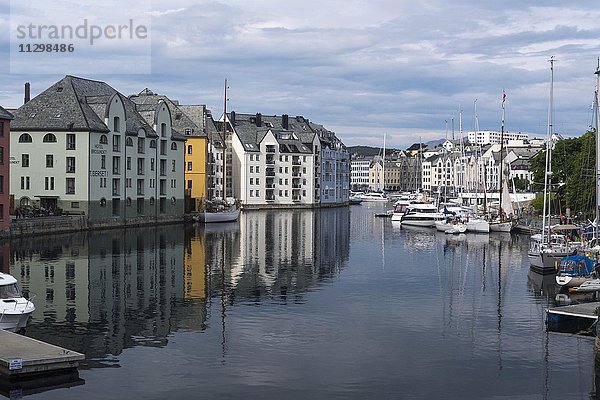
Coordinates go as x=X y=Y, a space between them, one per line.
x=354 y=199
x=421 y=214
x=575 y=270
x=374 y=196
x=14 y=308
x=591 y=285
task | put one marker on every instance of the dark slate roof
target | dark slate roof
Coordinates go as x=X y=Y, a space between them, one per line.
x=5 y=114
x=75 y=104
x=296 y=137
x=147 y=101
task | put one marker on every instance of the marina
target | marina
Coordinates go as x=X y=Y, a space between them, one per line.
x=376 y=309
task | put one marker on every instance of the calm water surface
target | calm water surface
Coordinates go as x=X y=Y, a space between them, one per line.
x=299 y=304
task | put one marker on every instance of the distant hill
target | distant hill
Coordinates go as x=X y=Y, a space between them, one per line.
x=368 y=151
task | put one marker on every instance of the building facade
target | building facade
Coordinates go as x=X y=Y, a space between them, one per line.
x=97 y=155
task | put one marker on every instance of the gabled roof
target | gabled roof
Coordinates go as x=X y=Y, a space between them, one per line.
x=146 y=102
x=75 y=104
x=5 y=114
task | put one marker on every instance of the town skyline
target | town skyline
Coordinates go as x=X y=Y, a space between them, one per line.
x=363 y=70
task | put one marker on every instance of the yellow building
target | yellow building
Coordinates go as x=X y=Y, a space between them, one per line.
x=195 y=171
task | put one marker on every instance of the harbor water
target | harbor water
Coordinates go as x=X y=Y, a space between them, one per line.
x=299 y=304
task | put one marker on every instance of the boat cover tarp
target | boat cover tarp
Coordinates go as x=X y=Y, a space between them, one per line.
x=576 y=265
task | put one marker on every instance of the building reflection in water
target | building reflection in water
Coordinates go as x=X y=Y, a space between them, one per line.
x=102 y=292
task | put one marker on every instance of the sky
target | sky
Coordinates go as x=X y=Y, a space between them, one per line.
x=363 y=69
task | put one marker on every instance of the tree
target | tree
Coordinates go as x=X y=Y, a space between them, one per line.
x=573 y=170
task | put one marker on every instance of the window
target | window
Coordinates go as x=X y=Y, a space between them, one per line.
x=70 y=164
x=25 y=160
x=152 y=164
x=163 y=130
x=189 y=149
x=128 y=182
x=141 y=146
x=1 y=155
x=103 y=162
x=70 y=141
x=140 y=166
x=102 y=182
x=25 y=138
x=153 y=144
x=140 y=187
x=116 y=184
x=49 y=183
x=116 y=165
x=189 y=184
x=173 y=146
x=1 y=183
x=140 y=205
x=116 y=143
x=252 y=181
x=173 y=166
x=189 y=166
x=49 y=138
x=188 y=131
x=163 y=147
x=70 y=185
x=129 y=142
x=117 y=124
x=128 y=163
x=49 y=161
x=103 y=202
x=25 y=181
x=103 y=139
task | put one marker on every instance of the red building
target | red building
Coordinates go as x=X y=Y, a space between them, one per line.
x=5 y=118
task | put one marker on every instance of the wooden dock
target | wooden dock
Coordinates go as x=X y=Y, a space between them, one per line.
x=572 y=318
x=23 y=356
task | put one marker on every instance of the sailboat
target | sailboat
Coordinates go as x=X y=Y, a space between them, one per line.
x=502 y=223
x=547 y=248
x=221 y=212
x=474 y=222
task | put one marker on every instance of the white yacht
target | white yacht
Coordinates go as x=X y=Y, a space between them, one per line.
x=374 y=196
x=14 y=308
x=421 y=214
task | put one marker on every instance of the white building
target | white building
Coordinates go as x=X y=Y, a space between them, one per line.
x=359 y=173
x=492 y=137
x=83 y=147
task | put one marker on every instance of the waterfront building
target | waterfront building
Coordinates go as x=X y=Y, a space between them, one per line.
x=193 y=122
x=359 y=174
x=5 y=118
x=278 y=160
x=493 y=137
x=376 y=174
x=82 y=147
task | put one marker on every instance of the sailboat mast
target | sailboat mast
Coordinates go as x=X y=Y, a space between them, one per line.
x=597 y=122
x=383 y=164
x=501 y=175
x=224 y=158
x=548 y=172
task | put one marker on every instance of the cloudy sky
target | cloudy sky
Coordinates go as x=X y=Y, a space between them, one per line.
x=361 y=68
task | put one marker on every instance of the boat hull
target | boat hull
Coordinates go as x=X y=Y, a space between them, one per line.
x=500 y=226
x=422 y=222
x=224 y=216
x=14 y=322
x=478 y=226
x=571 y=281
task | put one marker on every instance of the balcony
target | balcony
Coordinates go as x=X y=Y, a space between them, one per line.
x=296 y=161
x=296 y=186
x=270 y=149
x=270 y=173
x=296 y=198
x=270 y=160
x=270 y=198
x=188 y=192
x=270 y=186
x=296 y=174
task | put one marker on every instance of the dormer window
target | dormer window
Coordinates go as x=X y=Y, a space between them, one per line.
x=25 y=138
x=49 y=138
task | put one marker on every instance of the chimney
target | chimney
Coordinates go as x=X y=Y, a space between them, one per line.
x=258 y=120
x=284 y=121
x=27 y=92
x=232 y=118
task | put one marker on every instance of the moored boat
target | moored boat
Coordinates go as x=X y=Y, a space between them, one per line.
x=575 y=270
x=421 y=214
x=229 y=214
x=15 y=309
x=591 y=285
